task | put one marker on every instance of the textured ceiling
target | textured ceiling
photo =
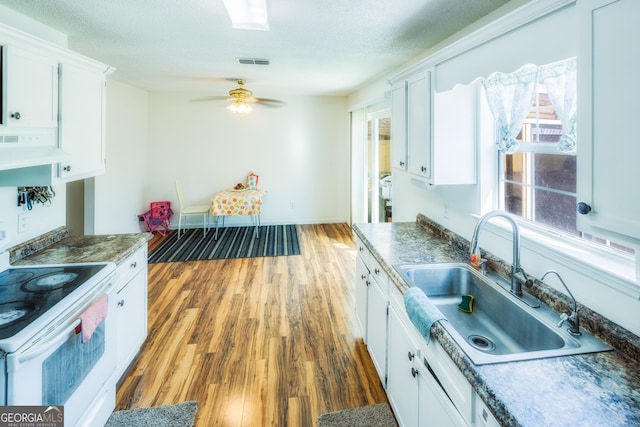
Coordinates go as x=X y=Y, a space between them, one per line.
x=316 y=47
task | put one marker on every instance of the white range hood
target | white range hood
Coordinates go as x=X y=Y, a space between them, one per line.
x=24 y=157
x=29 y=159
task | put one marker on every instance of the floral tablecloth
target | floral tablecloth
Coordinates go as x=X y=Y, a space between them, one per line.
x=239 y=203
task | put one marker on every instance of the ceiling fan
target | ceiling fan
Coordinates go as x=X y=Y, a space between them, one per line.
x=241 y=99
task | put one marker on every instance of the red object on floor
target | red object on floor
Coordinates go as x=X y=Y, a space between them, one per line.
x=157 y=218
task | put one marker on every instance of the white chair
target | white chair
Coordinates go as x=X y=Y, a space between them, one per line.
x=187 y=211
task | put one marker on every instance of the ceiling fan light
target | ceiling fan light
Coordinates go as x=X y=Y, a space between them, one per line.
x=240 y=107
x=248 y=14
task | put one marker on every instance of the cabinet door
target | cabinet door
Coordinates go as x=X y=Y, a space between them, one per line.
x=608 y=148
x=81 y=132
x=377 y=304
x=32 y=89
x=402 y=381
x=361 y=285
x=399 y=126
x=454 y=135
x=435 y=408
x=131 y=314
x=419 y=124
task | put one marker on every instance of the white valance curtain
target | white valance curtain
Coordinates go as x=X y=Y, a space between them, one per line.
x=510 y=98
x=560 y=80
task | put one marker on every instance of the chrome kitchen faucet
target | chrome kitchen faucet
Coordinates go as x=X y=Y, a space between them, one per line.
x=516 y=286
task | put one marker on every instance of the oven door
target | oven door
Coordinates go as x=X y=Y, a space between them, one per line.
x=56 y=368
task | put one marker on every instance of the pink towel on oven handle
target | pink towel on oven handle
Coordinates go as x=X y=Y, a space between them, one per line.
x=92 y=317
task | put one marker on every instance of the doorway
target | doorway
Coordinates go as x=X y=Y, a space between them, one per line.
x=379 y=181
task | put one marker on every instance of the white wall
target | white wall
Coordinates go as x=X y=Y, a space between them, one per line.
x=119 y=194
x=40 y=219
x=299 y=151
x=456 y=207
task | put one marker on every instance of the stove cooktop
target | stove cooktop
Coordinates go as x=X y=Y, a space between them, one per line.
x=26 y=293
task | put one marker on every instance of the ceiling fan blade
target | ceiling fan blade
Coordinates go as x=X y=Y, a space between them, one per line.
x=211 y=98
x=272 y=103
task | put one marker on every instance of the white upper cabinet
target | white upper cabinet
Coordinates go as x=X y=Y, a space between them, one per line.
x=419 y=124
x=81 y=131
x=32 y=89
x=455 y=127
x=399 y=125
x=52 y=91
x=434 y=135
x=608 y=145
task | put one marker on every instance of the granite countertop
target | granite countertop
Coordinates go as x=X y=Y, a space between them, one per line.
x=598 y=389
x=58 y=247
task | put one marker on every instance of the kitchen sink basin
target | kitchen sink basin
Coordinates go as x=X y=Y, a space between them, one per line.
x=501 y=327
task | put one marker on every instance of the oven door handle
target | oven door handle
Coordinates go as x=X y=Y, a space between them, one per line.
x=38 y=348
x=50 y=338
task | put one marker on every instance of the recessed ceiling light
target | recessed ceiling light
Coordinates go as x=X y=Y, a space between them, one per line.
x=248 y=14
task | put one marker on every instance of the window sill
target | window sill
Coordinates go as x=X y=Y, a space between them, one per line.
x=612 y=268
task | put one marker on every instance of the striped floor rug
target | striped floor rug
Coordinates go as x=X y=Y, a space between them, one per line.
x=233 y=242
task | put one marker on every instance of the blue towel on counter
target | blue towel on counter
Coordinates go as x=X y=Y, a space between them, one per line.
x=422 y=312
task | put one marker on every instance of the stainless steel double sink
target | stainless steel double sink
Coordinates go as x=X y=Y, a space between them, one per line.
x=501 y=327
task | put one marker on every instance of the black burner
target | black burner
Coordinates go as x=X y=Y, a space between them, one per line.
x=11 y=277
x=11 y=312
x=53 y=281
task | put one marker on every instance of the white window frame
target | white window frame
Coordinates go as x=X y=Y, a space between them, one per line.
x=615 y=269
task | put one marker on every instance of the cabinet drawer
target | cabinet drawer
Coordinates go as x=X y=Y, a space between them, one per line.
x=132 y=266
x=362 y=251
x=378 y=274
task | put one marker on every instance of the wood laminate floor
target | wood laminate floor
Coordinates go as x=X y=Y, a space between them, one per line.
x=256 y=341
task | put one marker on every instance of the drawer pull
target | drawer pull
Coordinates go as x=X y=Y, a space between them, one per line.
x=134 y=264
x=411 y=355
x=121 y=303
x=414 y=372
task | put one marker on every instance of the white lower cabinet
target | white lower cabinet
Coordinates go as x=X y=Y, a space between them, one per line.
x=435 y=408
x=131 y=302
x=423 y=385
x=402 y=384
x=413 y=390
x=482 y=415
x=377 y=327
x=361 y=291
x=371 y=295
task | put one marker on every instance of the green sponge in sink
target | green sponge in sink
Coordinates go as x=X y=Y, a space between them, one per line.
x=466 y=304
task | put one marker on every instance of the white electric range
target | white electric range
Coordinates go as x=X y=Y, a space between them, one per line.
x=46 y=358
